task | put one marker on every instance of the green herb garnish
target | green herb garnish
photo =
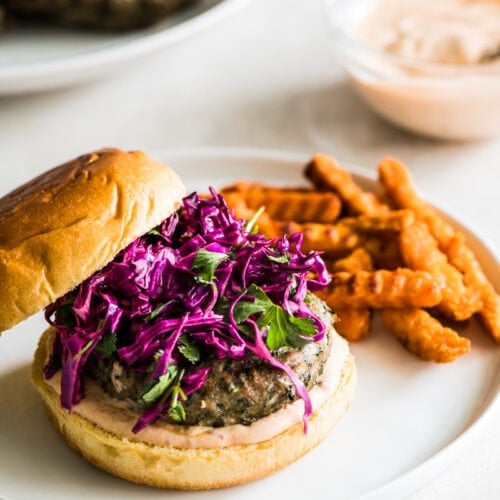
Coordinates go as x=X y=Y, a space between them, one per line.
x=83 y=350
x=154 y=232
x=205 y=263
x=280 y=259
x=283 y=329
x=177 y=412
x=167 y=386
x=188 y=349
x=251 y=226
x=156 y=389
x=107 y=345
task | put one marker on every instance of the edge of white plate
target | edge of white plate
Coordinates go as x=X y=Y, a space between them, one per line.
x=34 y=77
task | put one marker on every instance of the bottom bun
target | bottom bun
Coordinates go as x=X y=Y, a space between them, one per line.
x=190 y=469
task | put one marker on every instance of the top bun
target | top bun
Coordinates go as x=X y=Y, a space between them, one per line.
x=66 y=224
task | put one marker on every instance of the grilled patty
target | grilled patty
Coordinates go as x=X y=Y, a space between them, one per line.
x=237 y=391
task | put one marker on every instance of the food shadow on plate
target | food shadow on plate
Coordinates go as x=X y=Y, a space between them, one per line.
x=30 y=447
x=34 y=458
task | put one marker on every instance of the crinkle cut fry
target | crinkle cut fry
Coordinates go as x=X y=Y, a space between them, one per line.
x=358 y=260
x=399 y=186
x=424 y=335
x=353 y=323
x=324 y=172
x=239 y=205
x=420 y=252
x=382 y=288
x=298 y=204
x=464 y=259
x=396 y=180
x=347 y=233
x=337 y=240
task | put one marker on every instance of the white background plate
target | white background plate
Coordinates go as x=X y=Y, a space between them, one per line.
x=409 y=419
x=43 y=58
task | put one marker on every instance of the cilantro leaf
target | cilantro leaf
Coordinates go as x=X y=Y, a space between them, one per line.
x=177 y=412
x=66 y=315
x=155 y=312
x=280 y=259
x=154 y=232
x=205 y=263
x=259 y=302
x=107 y=345
x=158 y=388
x=188 y=348
x=284 y=329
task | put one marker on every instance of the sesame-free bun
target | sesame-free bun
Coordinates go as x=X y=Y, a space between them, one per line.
x=61 y=227
x=190 y=468
x=68 y=223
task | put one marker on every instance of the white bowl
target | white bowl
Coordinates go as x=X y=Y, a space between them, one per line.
x=444 y=101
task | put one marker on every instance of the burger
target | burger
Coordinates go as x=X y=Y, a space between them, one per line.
x=184 y=349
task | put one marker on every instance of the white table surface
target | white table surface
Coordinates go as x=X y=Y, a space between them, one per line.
x=262 y=78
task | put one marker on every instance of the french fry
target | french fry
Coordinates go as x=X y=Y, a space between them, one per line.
x=382 y=288
x=347 y=233
x=399 y=186
x=385 y=253
x=424 y=335
x=353 y=323
x=358 y=260
x=327 y=175
x=393 y=221
x=390 y=250
x=340 y=237
x=464 y=259
x=300 y=205
x=420 y=252
x=239 y=205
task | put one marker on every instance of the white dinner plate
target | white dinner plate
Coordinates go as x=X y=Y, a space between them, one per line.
x=409 y=420
x=44 y=58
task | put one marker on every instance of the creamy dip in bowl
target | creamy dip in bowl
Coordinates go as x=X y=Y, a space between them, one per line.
x=430 y=67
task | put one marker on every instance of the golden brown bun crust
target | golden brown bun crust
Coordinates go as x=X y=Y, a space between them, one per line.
x=177 y=468
x=61 y=227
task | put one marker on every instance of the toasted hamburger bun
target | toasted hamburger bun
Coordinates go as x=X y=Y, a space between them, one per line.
x=58 y=230
x=66 y=224
x=191 y=468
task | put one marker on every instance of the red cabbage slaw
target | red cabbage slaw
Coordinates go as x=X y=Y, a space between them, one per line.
x=200 y=283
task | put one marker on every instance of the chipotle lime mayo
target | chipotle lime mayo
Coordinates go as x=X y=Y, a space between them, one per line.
x=445 y=79
x=442 y=31
x=114 y=416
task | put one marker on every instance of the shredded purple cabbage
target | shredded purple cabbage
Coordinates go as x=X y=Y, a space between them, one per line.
x=191 y=277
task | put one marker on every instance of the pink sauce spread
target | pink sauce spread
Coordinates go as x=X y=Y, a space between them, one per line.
x=114 y=416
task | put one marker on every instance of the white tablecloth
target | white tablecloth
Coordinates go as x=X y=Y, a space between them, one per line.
x=262 y=78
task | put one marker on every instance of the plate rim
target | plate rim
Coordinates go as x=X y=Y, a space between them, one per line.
x=484 y=418
x=146 y=41
x=485 y=415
